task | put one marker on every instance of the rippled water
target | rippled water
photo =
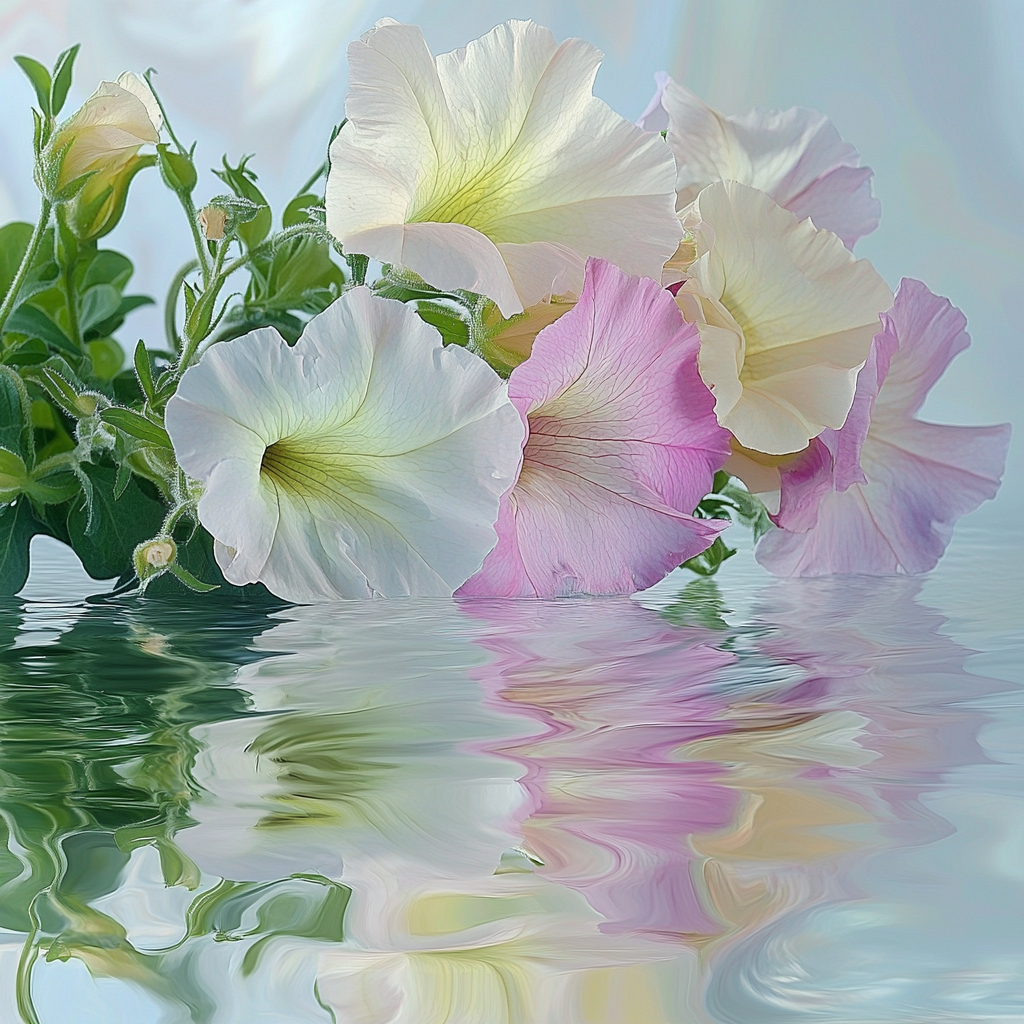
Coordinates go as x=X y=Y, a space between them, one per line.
x=739 y=800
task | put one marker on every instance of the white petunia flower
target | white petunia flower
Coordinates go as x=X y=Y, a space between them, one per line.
x=494 y=168
x=367 y=459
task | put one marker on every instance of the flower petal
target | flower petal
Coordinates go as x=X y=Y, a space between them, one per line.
x=807 y=311
x=895 y=486
x=622 y=445
x=366 y=459
x=503 y=137
x=796 y=156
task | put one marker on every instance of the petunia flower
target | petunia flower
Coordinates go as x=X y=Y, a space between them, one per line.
x=882 y=494
x=494 y=168
x=786 y=316
x=622 y=444
x=794 y=155
x=367 y=459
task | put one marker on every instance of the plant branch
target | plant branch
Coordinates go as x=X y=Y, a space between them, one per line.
x=171 y=305
x=26 y=262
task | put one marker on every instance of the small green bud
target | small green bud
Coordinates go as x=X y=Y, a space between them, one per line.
x=177 y=170
x=153 y=557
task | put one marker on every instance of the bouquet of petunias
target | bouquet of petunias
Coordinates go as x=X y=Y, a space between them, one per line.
x=587 y=347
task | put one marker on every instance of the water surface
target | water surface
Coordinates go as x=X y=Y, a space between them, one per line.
x=735 y=800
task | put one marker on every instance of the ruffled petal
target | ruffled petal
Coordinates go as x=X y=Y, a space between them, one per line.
x=796 y=156
x=886 y=497
x=622 y=445
x=367 y=459
x=806 y=311
x=503 y=137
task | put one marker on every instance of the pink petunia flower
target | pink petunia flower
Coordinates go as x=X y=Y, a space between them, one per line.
x=622 y=444
x=882 y=494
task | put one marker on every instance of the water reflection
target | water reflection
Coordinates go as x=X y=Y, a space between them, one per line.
x=580 y=811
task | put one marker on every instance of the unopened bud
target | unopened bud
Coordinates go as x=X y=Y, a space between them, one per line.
x=86 y=404
x=153 y=556
x=212 y=219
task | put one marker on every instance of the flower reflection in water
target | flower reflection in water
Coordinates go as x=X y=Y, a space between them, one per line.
x=431 y=812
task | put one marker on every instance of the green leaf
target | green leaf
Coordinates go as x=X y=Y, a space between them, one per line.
x=190 y=581
x=107 y=357
x=40 y=79
x=54 y=488
x=33 y=322
x=144 y=370
x=107 y=267
x=107 y=327
x=62 y=79
x=454 y=330
x=14 y=239
x=138 y=426
x=242 y=182
x=709 y=561
x=14 y=478
x=97 y=304
x=60 y=390
x=296 y=212
x=124 y=478
x=29 y=352
x=247 y=319
x=15 y=414
x=750 y=510
x=120 y=523
x=300 y=275
x=17 y=528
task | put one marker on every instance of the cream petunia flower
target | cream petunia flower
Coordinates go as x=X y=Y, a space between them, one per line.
x=367 y=459
x=786 y=316
x=494 y=168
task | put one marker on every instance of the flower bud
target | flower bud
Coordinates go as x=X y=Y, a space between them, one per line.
x=154 y=556
x=100 y=139
x=212 y=219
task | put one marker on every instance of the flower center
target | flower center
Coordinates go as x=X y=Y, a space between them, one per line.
x=305 y=467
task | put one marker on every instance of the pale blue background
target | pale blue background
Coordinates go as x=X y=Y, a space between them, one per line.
x=930 y=91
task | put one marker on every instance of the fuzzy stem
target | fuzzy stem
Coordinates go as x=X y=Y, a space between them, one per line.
x=26 y=262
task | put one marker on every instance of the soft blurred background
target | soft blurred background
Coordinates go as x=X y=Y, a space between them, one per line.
x=930 y=91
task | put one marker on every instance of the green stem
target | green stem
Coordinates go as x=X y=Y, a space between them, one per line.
x=148 y=76
x=218 y=276
x=23 y=983
x=171 y=305
x=264 y=248
x=26 y=261
x=186 y=200
x=197 y=238
x=72 y=303
x=318 y=174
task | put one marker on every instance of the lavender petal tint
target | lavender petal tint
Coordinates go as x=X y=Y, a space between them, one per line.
x=918 y=478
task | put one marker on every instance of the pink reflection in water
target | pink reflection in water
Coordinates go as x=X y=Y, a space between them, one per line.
x=616 y=692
